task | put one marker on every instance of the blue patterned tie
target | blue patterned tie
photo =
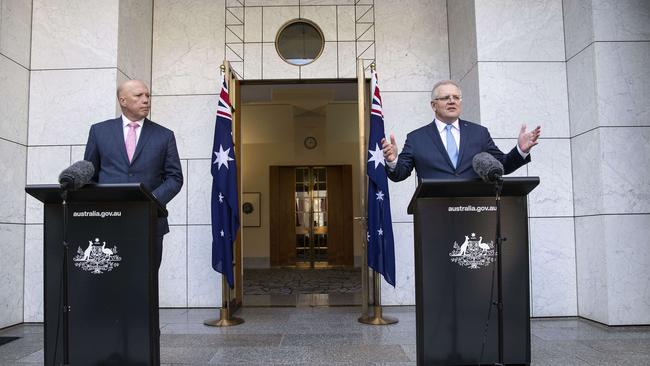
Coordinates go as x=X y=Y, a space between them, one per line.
x=452 y=149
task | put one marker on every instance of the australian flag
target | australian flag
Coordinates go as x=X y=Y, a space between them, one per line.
x=381 y=245
x=225 y=206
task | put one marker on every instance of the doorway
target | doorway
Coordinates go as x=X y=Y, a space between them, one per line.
x=300 y=145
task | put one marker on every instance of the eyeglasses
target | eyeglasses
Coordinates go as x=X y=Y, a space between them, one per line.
x=447 y=98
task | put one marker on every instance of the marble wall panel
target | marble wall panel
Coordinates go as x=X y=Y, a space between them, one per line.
x=325 y=67
x=12 y=263
x=347 y=61
x=508 y=31
x=252 y=61
x=74 y=34
x=551 y=162
x=404 y=291
x=199 y=191
x=273 y=67
x=252 y=24
x=16 y=30
x=396 y=107
x=271 y=2
x=623 y=80
x=134 y=39
x=591 y=268
x=627 y=20
x=33 y=273
x=469 y=86
x=203 y=283
x=506 y=145
x=586 y=163
x=273 y=18
x=172 y=276
x=177 y=208
x=188 y=46
x=534 y=93
x=553 y=267
x=327 y=2
x=628 y=276
x=345 y=23
x=14 y=97
x=578 y=26
x=582 y=89
x=416 y=62
x=324 y=17
x=462 y=38
x=44 y=163
x=13 y=167
x=192 y=118
x=77 y=153
x=62 y=99
x=624 y=168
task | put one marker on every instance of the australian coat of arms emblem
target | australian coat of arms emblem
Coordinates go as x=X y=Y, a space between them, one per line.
x=96 y=258
x=473 y=252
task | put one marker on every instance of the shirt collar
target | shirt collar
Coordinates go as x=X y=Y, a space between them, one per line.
x=126 y=121
x=441 y=125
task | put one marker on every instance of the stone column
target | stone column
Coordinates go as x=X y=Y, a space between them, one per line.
x=15 y=30
x=81 y=50
x=607 y=51
x=509 y=59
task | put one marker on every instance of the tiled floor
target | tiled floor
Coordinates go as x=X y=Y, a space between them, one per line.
x=332 y=336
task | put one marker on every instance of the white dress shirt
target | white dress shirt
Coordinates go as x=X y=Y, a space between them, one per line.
x=125 y=128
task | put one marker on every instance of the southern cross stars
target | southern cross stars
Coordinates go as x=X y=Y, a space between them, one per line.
x=377 y=156
x=222 y=157
x=220 y=197
x=380 y=196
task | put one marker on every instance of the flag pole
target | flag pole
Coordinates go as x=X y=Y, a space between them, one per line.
x=377 y=318
x=363 y=220
x=225 y=318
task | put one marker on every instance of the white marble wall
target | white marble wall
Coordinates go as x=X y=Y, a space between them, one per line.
x=80 y=51
x=15 y=30
x=607 y=62
x=509 y=60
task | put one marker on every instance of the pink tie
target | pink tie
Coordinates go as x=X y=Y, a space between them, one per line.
x=130 y=140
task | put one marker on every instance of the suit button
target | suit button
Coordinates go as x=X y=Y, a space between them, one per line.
x=456 y=174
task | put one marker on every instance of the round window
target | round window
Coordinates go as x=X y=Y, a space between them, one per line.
x=299 y=42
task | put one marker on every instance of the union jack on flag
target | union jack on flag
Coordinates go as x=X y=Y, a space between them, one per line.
x=224 y=204
x=381 y=245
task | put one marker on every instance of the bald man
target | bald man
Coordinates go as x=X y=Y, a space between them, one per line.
x=133 y=149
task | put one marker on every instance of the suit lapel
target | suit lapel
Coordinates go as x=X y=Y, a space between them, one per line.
x=118 y=135
x=464 y=138
x=145 y=134
x=437 y=141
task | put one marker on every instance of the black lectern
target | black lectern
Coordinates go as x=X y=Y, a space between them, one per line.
x=112 y=275
x=455 y=225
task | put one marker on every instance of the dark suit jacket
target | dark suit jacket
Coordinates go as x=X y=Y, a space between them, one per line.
x=155 y=161
x=424 y=151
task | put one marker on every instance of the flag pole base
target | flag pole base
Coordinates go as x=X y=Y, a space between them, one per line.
x=224 y=320
x=377 y=318
x=373 y=320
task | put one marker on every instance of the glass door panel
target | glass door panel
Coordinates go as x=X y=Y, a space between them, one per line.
x=311 y=216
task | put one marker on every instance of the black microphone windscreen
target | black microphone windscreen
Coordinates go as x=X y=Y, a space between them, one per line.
x=77 y=175
x=487 y=167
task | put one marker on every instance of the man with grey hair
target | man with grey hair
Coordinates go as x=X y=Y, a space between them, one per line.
x=444 y=148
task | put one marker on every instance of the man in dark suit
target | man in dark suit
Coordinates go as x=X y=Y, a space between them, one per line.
x=444 y=148
x=133 y=149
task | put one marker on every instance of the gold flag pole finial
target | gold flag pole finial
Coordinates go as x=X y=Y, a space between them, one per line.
x=223 y=68
x=373 y=67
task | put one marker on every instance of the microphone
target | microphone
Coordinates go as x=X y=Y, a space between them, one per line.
x=76 y=175
x=487 y=167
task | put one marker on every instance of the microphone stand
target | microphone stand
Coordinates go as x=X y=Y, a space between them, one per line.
x=66 y=303
x=499 y=240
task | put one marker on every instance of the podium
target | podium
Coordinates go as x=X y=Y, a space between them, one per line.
x=455 y=227
x=112 y=274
